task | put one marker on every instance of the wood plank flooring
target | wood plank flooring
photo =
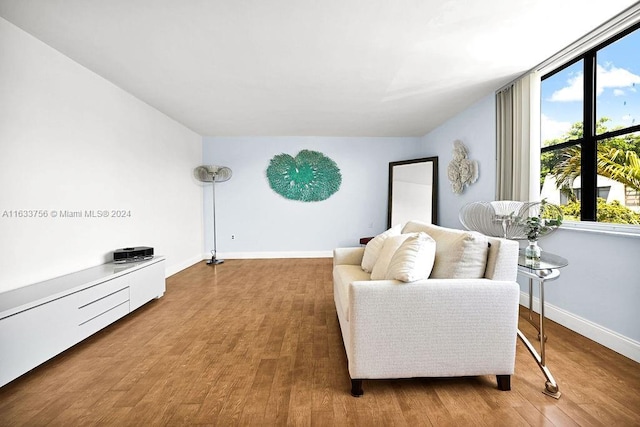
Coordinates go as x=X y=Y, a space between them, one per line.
x=257 y=342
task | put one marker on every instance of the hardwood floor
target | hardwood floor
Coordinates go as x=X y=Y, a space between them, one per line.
x=257 y=342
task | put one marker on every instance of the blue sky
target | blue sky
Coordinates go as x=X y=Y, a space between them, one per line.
x=618 y=91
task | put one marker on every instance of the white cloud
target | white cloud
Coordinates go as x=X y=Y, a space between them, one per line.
x=608 y=77
x=550 y=129
x=572 y=92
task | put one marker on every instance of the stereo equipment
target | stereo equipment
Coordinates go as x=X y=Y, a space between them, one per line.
x=139 y=253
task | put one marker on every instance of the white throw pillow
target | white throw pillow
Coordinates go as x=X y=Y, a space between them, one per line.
x=374 y=246
x=413 y=260
x=459 y=254
x=390 y=246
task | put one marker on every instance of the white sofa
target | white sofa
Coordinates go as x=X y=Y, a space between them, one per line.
x=434 y=327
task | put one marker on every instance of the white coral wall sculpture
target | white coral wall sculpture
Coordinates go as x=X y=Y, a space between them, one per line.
x=461 y=171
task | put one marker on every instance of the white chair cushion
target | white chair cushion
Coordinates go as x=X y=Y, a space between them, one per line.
x=459 y=254
x=373 y=248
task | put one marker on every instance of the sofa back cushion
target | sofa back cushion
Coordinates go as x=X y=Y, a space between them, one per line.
x=459 y=254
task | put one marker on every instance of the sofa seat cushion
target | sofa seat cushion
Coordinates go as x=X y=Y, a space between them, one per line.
x=342 y=276
x=459 y=254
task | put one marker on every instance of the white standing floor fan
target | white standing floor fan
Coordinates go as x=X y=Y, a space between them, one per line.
x=213 y=174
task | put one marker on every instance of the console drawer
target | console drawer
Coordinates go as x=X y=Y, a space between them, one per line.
x=102 y=320
x=99 y=291
x=103 y=305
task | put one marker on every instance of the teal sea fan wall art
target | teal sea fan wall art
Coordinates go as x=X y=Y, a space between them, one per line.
x=310 y=176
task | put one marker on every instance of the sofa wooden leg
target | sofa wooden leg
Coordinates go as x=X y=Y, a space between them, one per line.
x=504 y=382
x=356 y=388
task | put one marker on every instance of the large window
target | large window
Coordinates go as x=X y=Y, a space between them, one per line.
x=590 y=133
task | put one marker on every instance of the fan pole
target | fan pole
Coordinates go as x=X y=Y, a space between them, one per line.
x=214 y=260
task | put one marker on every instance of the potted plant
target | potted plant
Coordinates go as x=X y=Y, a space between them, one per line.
x=549 y=218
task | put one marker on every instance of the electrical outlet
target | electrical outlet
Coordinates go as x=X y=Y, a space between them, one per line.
x=233 y=237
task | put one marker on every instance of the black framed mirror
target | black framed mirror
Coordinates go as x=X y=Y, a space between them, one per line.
x=413 y=191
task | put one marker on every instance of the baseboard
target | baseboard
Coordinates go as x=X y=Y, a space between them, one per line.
x=606 y=337
x=269 y=255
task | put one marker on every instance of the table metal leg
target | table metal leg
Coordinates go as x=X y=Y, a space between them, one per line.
x=541 y=336
x=551 y=387
x=530 y=317
x=531 y=301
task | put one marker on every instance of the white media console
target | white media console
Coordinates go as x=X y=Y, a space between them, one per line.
x=39 y=321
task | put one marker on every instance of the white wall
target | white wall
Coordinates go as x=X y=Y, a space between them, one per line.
x=266 y=224
x=597 y=294
x=70 y=140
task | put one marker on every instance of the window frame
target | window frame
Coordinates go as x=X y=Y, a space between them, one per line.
x=589 y=142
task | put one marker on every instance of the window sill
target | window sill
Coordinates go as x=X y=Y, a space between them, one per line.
x=602 y=228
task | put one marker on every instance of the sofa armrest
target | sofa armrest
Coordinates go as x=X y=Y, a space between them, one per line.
x=502 y=260
x=348 y=256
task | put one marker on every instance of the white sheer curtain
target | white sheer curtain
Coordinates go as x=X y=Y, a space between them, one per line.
x=518 y=140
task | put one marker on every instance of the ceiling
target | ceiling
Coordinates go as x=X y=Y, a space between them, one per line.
x=309 y=67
